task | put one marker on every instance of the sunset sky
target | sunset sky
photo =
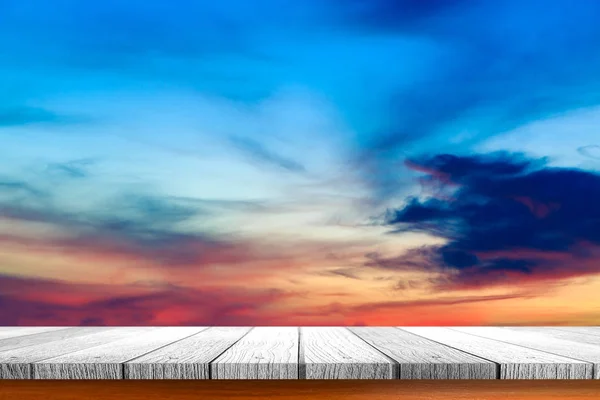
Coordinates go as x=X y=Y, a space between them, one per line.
x=318 y=162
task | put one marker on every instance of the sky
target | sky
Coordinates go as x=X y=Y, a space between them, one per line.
x=320 y=162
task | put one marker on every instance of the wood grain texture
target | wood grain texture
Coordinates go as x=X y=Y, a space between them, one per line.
x=106 y=361
x=185 y=359
x=274 y=353
x=337 y=353
x=14 y=331
x=516 y=362
x=420 y=358
x=577 y=337
x=13 y=365
x=264 y=353
x=16 y=363
x=537 y=340
x=590 y=330
x=31 y=337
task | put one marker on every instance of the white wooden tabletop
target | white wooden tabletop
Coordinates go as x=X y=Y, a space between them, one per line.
x=299 y=353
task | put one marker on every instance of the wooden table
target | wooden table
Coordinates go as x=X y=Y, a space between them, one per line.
x=292 y=353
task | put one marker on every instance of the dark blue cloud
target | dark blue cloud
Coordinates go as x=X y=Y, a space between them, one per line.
x=502 y=213
x=499 y=65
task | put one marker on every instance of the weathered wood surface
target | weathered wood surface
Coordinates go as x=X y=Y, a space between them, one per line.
x=516 y=362
x=9 y=332
x=544 y=341
x=590 y=330
x=574 y=336
x=34 y=337
x=300 y=353
x=186 y=359
x=336 y=353
x=420 y=358
x=106 y=361
x=264 y=353
x=16 y=363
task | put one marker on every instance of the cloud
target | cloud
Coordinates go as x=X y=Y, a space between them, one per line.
x=591 y=151
x=413 y=259
x=496 y=66
x=505 y=219
x=261 y=154
x=142 y=228
x=138 y=226
x=452 y=301
x=54 y=303
x=35 y=302
x=349 y=273
x=72 y=169
x=474 y=310
x=30 y=302
x=12 y=187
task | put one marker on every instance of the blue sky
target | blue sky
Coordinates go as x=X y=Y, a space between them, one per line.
x=286 y=131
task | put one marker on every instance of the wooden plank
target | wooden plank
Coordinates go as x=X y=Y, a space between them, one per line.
x=305 y=353
x=337 y=353
x=516 y=362
x=533 y=340
x=589 y=330
x=41 y=337
x=264 y=353
x=420 y=358
x=573 y=346
x=16 y=363
x=186 y=359
x=12 y=331
x=106 y=361
x=574 y=336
